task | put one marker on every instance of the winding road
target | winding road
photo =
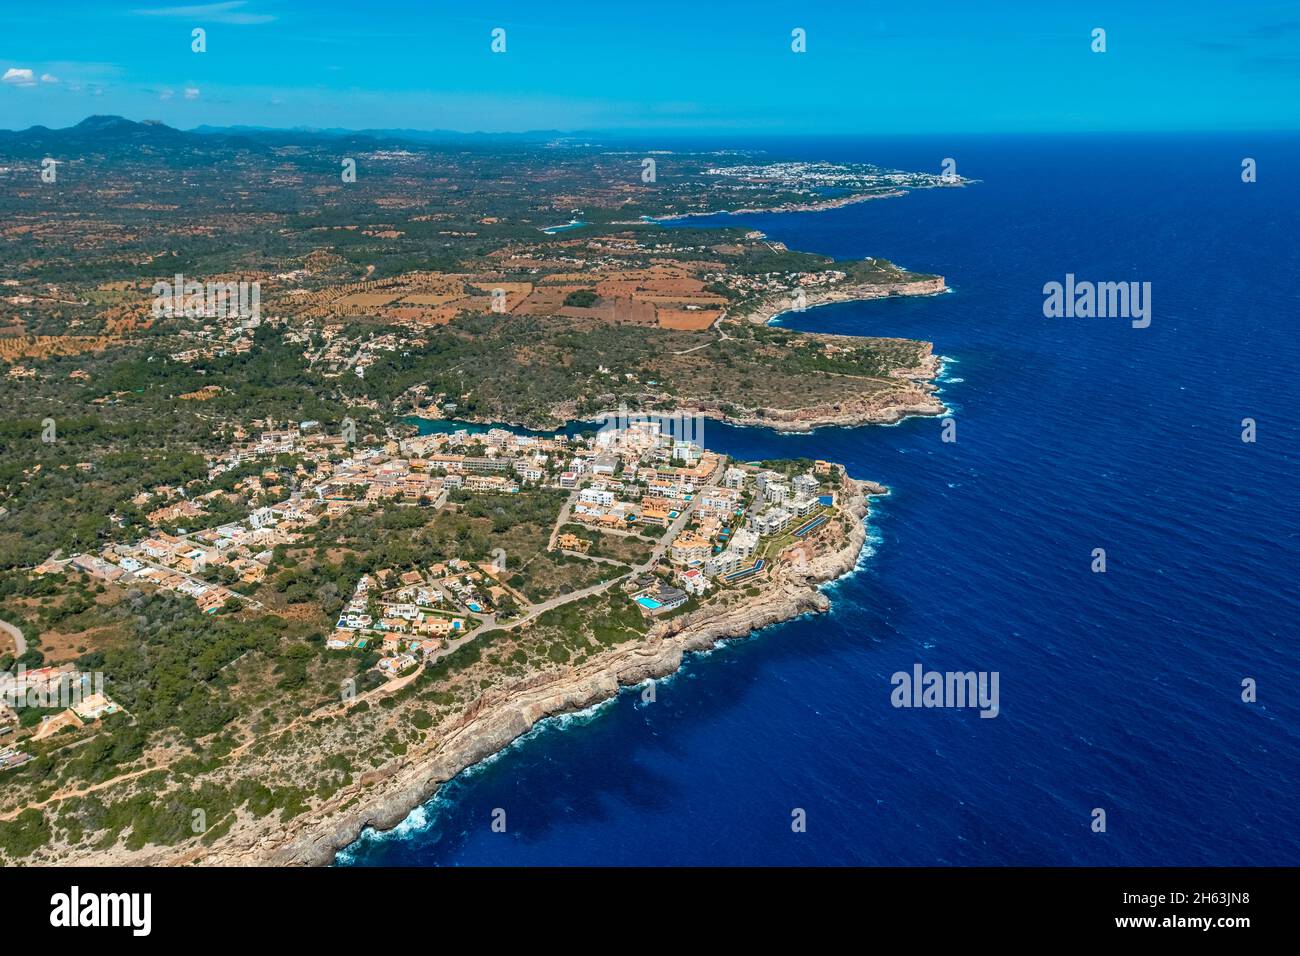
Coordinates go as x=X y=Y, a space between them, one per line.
x=19 y=641
x=538 y=609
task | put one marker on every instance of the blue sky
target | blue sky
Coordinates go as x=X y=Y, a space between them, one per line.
x=704 y=66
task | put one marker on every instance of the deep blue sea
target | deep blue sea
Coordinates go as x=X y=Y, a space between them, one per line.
x=1120 y=690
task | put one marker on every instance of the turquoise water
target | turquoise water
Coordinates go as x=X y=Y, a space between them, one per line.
x=565 y=227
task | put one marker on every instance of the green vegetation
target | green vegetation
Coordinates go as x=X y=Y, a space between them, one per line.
x=235 y=714
x=28 y=832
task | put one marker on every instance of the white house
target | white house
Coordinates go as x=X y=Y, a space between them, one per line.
x=596 y=496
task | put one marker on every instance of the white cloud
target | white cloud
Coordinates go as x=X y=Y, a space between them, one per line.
x=49 y=78
x=19 y=77
x=165 y=95
x=191 y=93
x=214 y=12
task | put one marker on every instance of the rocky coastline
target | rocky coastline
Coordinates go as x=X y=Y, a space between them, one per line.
x=821 y=205
x=917 y=397
x=768 y=310
x=388 y=795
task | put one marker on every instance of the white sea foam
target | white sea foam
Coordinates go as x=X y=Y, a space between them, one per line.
x=422 y=818
x=874 y=540
x=418 y=820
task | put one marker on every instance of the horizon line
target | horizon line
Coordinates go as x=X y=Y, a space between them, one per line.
x=714 y=132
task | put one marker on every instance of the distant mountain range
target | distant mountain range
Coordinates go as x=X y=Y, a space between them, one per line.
x=99 y=132
x=113 y=127
x=415 y=135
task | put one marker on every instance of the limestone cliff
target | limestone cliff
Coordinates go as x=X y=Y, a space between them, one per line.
x=387 y=795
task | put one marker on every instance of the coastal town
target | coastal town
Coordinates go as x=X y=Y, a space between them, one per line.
x=704 y=522
x=439 y=444
x=292 y=538
x=654 y=522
